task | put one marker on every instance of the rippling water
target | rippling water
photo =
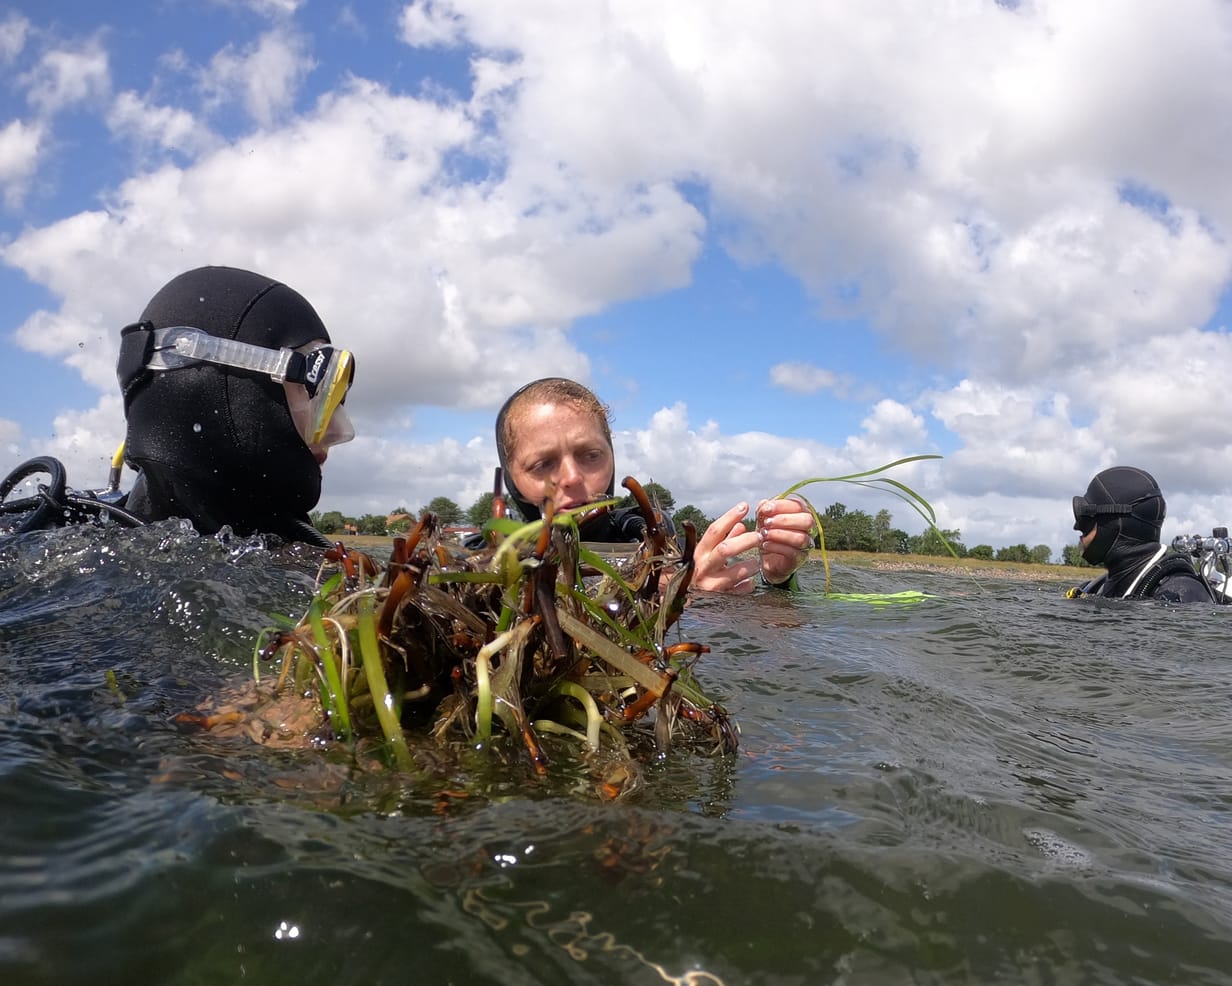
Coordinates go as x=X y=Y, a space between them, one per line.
x=992 y=784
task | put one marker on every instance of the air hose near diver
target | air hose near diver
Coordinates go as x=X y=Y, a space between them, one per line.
x=54 y=504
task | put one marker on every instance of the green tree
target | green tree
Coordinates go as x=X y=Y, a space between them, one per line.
x=887 y=538
x=933 y=542
x=330 y=522
x=1071 y=554
x=691 y=513
x=895 y=541
x=659 y=495
x=854 y=530
x=862 y=531
x=444 y=508
x=371 y=524
x=836 y=528
x=1041 y=554
x=981 y=551
x=480 y=512
x=1014 y=552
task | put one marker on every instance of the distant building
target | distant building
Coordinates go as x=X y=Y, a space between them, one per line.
x=459 y=532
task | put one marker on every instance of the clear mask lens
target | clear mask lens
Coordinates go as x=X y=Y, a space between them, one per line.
x=329 y=376
x=319 y=414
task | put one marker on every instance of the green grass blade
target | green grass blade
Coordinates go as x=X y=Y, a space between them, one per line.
x=378 y=687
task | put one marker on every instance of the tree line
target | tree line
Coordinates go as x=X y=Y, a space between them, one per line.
x=843 y=529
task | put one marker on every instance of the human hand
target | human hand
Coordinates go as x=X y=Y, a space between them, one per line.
x=784 y=530
x=716 y=567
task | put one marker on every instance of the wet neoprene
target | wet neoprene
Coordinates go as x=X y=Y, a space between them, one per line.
x=1124 y=532
x=1128 y=540
x=214 y=444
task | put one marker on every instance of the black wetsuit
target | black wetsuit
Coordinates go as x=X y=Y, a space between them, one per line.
x=1170 y=579
x=618 y=526
x=216 y=446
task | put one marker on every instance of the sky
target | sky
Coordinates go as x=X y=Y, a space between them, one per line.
x=781 y=241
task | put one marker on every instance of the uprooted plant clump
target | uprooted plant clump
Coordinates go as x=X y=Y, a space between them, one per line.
x=536 y=634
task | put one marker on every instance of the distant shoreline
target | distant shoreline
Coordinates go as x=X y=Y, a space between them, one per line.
x=1007 y=570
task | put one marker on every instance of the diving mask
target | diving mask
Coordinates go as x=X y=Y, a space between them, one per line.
x=324 y=372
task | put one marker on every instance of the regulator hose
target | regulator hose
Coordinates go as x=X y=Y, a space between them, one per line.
x=54 y=505
x=45 y=504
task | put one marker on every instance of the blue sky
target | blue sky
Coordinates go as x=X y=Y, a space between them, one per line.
x=778 y=248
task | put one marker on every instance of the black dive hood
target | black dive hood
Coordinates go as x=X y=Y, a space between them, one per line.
x=1127 y=505
x=214 y=444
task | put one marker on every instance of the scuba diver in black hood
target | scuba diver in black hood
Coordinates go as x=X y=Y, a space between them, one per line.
x=232 y=396
x=1119 y=520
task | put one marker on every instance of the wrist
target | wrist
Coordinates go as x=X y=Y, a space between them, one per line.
x=788 y=582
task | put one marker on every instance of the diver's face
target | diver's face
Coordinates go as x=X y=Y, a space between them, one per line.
x=561 y=446
x=1087 y=538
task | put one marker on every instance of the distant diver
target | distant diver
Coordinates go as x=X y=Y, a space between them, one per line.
x=1119 y=519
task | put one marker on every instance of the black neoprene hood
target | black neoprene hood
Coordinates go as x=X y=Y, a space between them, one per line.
x=1128 y=506
x=215 y=444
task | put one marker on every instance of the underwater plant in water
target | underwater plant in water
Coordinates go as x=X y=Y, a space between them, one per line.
x=870 y=478
x=538 y=633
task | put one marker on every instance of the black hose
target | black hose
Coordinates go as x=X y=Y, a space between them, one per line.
x=44 y=507
x=117 y=513
x=306 y=533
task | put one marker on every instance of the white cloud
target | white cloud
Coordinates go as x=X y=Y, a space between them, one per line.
x=1015 y=439
x=19 y=155
x=427 y=23
x=714 y=471
x=264 y=78
x=803 y=378
x=10 y=434
x=1031 y=202
x=273 y=9
x=14 y=30
x=163 y=127
x=977 y=204
x=84 y=442
x=65 y=77
x=448 y=294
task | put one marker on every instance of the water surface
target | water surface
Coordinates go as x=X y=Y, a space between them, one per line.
x=993 y=784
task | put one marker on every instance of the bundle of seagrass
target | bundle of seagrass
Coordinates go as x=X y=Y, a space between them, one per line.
x=538 y=633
